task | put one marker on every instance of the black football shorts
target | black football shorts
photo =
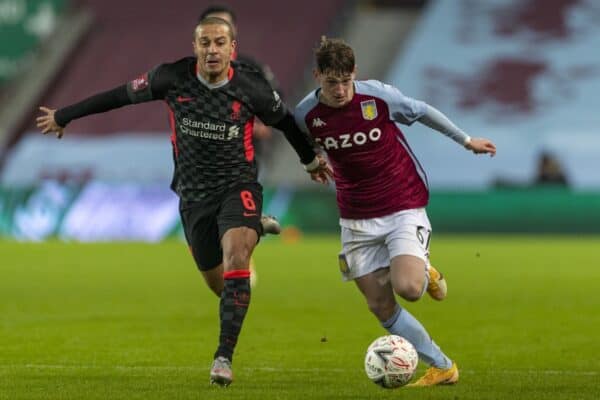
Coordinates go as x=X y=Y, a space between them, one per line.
x=204 y=224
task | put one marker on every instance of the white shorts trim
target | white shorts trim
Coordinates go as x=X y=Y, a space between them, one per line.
x=370 y=244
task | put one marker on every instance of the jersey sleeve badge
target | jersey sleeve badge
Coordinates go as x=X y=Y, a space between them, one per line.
x=140 y=83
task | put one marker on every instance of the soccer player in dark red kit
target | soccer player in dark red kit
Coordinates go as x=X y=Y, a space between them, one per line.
x=381 y=193
x=212 y=103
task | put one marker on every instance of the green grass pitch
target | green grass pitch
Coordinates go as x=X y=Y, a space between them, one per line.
x=135 y=321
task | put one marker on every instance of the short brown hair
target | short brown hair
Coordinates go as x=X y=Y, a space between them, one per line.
x=215 y=21
x=334 y=55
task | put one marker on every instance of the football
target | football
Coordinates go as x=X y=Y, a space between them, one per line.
x=391 y=361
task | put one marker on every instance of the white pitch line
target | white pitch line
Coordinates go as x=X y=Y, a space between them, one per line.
x=158 y=367
x=273 y=369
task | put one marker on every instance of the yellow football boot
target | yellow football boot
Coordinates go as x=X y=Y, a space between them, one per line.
x=437 y=287
x=436 y=376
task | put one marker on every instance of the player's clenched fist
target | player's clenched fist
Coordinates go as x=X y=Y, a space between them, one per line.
x=321 y=172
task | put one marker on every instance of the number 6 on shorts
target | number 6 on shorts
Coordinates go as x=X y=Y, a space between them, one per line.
x=248 y=200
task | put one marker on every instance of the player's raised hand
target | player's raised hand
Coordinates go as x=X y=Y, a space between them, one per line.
x=481 y=146
x=322 y=173
x=47 y=123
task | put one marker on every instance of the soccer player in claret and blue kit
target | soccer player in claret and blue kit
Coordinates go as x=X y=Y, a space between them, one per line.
x=382 y=193
x=212 y=105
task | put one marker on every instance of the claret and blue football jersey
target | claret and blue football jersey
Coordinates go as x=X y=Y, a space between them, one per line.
x=375 y=171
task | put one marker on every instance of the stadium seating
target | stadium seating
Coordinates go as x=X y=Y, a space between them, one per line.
x=129 y=38
x=113 y=162
x=518 y=72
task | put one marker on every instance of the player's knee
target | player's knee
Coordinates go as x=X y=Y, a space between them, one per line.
x=409 y=291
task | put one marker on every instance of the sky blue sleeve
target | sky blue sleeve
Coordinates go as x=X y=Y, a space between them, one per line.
x=403 y=109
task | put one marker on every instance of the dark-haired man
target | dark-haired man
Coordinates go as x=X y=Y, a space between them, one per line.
x=212 y=103
x=262 y=133
x=226 y=13
x=381 y=193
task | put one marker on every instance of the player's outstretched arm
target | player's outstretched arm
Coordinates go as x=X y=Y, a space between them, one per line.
x=47 y=123
x=435 y=119
x=481 y=146
x=56 y=120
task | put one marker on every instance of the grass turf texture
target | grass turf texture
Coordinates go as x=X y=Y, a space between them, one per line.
x=135 y=321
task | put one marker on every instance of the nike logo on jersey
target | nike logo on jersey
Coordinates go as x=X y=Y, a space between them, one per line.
x=318 y=122
x=181 y=99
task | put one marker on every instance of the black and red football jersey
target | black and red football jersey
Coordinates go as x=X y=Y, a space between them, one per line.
x=211 y=127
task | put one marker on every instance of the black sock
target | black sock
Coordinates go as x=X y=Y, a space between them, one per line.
x=235 y=300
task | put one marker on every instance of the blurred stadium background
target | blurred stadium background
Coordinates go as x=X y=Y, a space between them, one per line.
x=518 y=72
